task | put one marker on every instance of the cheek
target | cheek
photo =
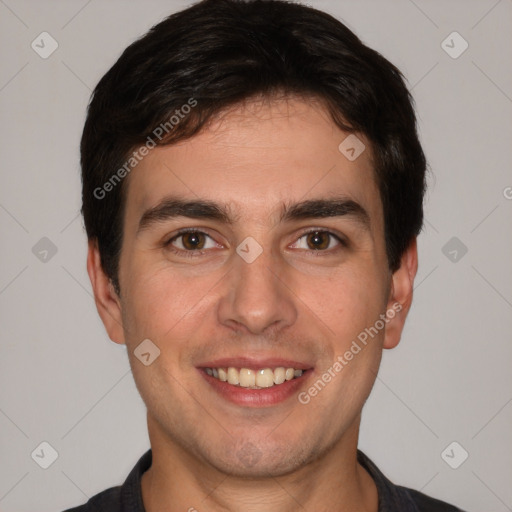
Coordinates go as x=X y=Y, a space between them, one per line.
x=165 y=305
x=350 y=305
x=167 y=309
x=349 y=300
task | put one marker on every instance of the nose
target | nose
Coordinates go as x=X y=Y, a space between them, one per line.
x=257 y=296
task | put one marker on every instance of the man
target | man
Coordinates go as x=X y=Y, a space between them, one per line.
x=252 y=194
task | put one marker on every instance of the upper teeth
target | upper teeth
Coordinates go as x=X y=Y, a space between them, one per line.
x=247 y=378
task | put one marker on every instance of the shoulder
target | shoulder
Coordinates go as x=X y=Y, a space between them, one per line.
x=425 y=503
x=398 y=498
x=122 y=498
x=108 y=500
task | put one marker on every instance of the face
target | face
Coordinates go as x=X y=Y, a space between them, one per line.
x=282 y=265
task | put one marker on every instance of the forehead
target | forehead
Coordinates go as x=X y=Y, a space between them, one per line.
x=255 y=159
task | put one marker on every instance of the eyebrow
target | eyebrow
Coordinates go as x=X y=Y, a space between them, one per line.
x=172 y=207
x=325 y=208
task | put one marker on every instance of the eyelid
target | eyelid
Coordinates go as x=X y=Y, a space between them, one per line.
x=168 y=242
x=184 y=231
x=168 y=245
x=338 y=236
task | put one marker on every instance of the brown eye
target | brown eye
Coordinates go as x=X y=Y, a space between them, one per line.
x=318 y=240
x=193 y=241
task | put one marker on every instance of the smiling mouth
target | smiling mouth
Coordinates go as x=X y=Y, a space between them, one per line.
x=254 y=379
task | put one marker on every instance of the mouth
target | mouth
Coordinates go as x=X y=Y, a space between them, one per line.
x=254 y=379
x=253 y=383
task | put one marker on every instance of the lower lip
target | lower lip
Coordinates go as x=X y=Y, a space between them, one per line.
x=264 y=397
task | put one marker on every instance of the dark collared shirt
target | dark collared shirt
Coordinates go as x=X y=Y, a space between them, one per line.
x=392 y=498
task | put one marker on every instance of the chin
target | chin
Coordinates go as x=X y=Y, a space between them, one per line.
x=252 y=459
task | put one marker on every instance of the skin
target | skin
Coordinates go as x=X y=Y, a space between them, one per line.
x=289 y=303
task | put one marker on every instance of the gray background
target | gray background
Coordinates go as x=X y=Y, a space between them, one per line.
x=62 y=381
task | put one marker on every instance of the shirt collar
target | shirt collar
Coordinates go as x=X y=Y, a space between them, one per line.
x=391 y=497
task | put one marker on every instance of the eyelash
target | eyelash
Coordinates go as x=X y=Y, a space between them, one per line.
x=197 y=253
x=181 y=252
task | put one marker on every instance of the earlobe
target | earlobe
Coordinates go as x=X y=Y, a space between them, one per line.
x=107 y=301
x=400 y=298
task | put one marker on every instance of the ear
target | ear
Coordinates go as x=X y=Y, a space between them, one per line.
x=107 y=301
x=400 y=298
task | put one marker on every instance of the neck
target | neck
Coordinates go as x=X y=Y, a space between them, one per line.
x=177 y=480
